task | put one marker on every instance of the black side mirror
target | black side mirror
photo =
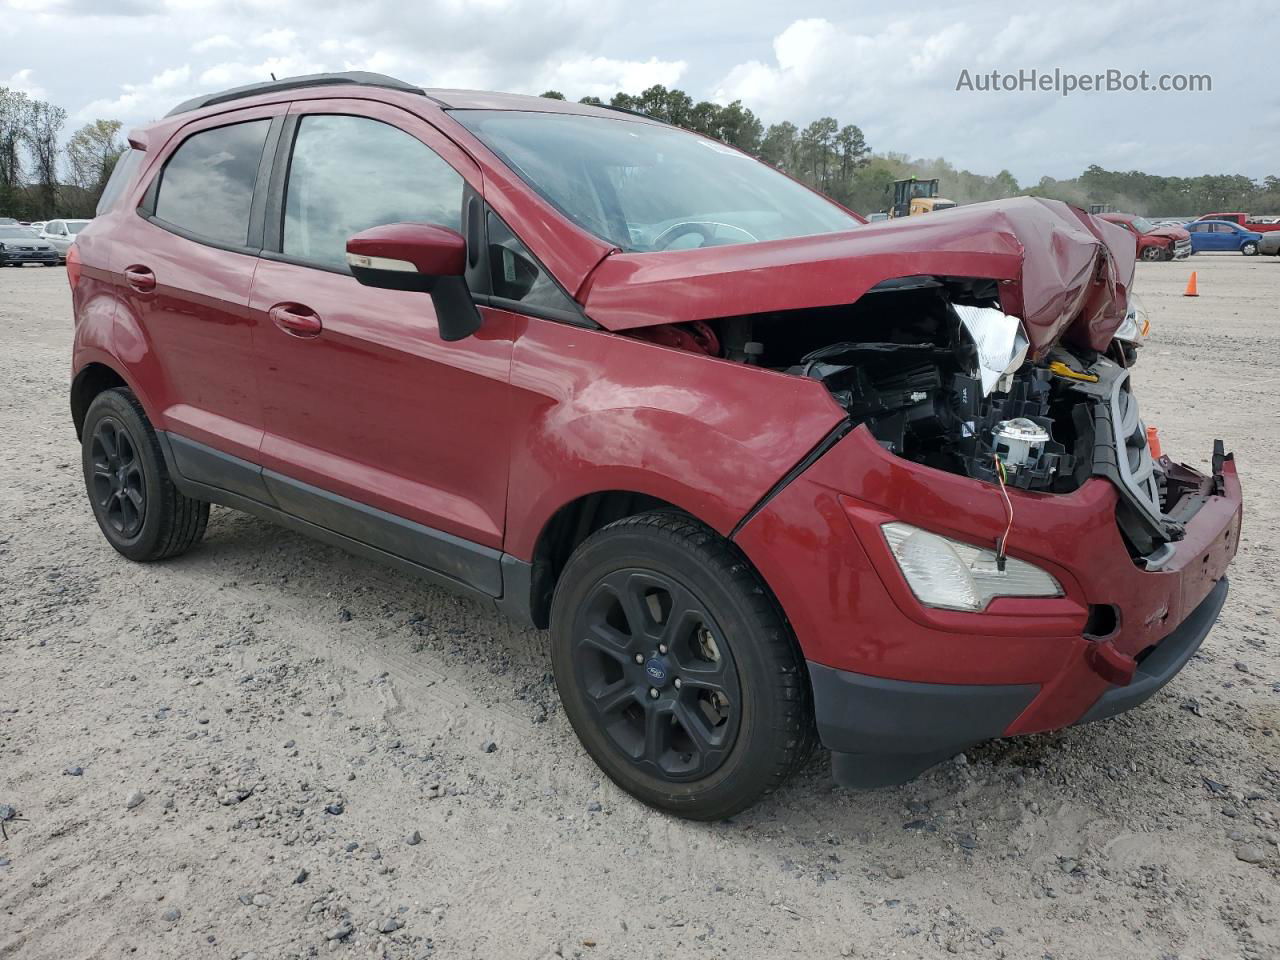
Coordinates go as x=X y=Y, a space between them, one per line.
x=422 y=257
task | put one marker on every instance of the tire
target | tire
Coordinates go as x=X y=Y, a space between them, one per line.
x=1152 y=254
x=733 y=718
x=1249 y=249
x=139 y=510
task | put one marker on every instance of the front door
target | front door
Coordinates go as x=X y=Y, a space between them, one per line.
x=375 y=427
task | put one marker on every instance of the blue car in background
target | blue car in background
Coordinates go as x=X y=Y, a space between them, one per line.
x=1209 y=235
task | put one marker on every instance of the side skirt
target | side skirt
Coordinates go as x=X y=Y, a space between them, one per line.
x=466 y=568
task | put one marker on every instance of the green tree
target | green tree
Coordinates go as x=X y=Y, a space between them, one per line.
x=853 y=149
x=779 y=146
x=552 y=95
x=92 y=153
x=44 y=128
x=15 y=120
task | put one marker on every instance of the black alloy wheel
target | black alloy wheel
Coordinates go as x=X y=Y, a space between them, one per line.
x=658 y=674
x=676 y=667
x=139 y=510
x=117 y=484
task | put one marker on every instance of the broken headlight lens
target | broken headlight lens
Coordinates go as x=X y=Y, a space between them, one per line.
x=1133 y=328
x=953 y=575
x=1000 y=342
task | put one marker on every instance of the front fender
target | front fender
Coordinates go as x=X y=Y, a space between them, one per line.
x=596 y=412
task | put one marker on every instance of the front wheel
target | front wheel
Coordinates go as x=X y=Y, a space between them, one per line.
x=676 y=668
x=1249 y=249
x=1152 y=254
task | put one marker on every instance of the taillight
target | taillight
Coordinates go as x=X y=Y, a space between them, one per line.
x=73 y=266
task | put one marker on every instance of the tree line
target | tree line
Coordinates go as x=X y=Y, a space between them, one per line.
x=40 y=177
x=837 y=160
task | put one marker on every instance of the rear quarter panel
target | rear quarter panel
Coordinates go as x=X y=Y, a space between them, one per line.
x=594 y=411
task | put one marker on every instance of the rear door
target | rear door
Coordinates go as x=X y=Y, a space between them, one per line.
x=184 y=268
x=375 y=427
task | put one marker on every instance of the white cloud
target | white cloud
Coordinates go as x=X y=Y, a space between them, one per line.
x=889 y=68
x=580 y=76
x=219 y=41
x=141 y=102
x=275 y=39
x=22 y=81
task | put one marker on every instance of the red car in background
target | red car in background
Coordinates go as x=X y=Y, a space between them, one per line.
x=1154 y=243
x=1243 y=221
x=770 y=475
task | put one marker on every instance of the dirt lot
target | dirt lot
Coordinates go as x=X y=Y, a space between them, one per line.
x=269 y=749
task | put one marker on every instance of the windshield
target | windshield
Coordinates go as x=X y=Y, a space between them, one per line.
x=1142 y=224
x=16 y=232
x=75 y=226
x=647 y=187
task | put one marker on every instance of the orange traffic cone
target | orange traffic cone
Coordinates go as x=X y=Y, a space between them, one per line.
x=1153 y=442
x=1191 y=286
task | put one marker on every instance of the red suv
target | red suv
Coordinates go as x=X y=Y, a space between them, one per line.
x=771 y=475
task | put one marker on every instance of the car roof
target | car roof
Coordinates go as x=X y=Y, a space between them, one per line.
x=444 y=98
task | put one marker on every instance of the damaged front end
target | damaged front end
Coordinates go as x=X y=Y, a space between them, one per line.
x=939 y=375
x=993 y=343
x=1017 y=380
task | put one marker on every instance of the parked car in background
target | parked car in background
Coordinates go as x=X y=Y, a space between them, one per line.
x=62 y=233
x=1270 y=243
x=38 y=225
x=1207 y=235
x=877 y=217
x=1243 y=220
x=1154 y=242
x=21 y=245
x=8 y=222
x=770 y=476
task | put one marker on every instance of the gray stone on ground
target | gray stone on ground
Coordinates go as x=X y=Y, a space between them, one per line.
x=134 y=799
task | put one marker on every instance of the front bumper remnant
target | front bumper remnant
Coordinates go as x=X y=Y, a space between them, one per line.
x=885 y=732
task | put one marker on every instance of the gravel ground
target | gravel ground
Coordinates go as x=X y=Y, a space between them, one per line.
x=269 y=749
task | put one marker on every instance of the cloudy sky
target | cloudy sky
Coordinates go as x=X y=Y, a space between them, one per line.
x=891 y=68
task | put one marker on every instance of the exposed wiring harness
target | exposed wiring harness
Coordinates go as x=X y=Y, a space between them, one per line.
x=1003 y=540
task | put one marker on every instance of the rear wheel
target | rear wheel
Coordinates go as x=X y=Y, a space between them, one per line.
x=676 y=668
x=139 y=510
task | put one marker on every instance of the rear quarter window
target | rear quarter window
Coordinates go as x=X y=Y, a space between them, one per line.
x=206 y=188
x=125 y=169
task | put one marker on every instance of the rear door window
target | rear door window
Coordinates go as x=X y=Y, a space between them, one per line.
x=207 y=185
x=350 y=173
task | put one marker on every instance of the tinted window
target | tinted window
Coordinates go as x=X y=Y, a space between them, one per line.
x=8 y=231
x=119 y=179
x=517 y=276
x=1223 y=228
x=207 y=185
x=352 y=173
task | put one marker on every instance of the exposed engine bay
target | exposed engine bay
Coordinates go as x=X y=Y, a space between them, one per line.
x=940 y=376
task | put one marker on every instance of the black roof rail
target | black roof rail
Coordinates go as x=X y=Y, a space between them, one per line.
x=361 y=78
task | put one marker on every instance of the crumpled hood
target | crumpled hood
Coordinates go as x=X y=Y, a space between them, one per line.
x=1065 y=273
x=1173 y=233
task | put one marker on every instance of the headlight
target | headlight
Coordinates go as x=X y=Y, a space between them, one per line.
x=959 y=576
x=1133 y=329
